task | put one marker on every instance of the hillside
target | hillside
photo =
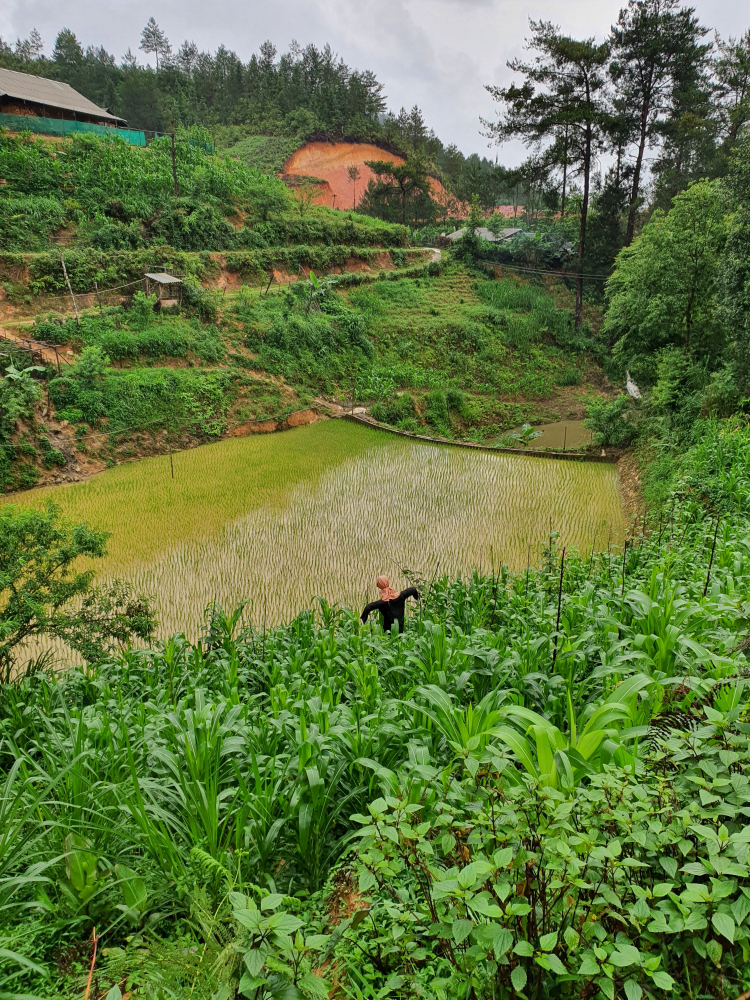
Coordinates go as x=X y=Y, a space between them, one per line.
x=330 y=163
x=436 y=350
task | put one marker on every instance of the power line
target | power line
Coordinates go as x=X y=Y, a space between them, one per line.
x=538 y=270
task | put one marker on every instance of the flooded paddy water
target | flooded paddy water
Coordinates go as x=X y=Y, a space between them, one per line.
x=322 y=510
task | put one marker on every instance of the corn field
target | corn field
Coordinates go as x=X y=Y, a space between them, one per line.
x=254 y=814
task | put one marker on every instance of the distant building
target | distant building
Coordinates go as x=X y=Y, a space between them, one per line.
x=486 y=234
x=37 y=97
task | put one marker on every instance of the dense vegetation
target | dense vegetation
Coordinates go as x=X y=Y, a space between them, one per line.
x=110 y=196
x=538 y=789
x=656 y=86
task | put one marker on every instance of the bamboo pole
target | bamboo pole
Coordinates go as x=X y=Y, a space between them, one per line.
x=559 y=606
x=711 y=560
x=70 y=288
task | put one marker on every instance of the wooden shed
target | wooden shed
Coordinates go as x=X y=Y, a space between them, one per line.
x=23 y=94
x=167 y=288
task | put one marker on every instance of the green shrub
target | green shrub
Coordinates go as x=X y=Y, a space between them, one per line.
x=18 y=395
x=612 y=421
x=716 y=470
x=51 y=456
x=399 y=412
x=437 y=411
x=570 y=376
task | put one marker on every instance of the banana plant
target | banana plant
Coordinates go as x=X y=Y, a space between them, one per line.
x=318 y=288
x=559 y=759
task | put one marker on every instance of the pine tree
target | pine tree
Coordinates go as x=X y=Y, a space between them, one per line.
x=565 y=87
x=651 y=41
x=153 y=39
x=67 y=51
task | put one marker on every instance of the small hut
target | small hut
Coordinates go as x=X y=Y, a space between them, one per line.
x=167 y=288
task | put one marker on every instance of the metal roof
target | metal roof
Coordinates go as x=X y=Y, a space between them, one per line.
x=164 y=279
x=25 y=87
x=486 y=234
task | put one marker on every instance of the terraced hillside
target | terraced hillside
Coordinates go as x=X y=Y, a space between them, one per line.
x=286 y=315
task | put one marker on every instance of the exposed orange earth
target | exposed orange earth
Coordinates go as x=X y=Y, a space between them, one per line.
x=329 y=162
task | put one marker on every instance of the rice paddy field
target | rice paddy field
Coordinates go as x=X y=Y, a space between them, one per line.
x=322 y=510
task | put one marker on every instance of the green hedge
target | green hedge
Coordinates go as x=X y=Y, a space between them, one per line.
x=43 y=274
x=352 y=232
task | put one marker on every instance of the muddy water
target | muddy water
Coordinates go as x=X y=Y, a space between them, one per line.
x=563 y=434
x=322 y=510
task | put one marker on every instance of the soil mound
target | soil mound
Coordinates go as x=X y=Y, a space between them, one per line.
x=329 y=162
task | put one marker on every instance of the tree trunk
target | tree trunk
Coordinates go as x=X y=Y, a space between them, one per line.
x=689 y=319
x=565 y=175
x=582 y=230
x=630 y=232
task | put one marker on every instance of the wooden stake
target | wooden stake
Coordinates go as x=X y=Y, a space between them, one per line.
x=565 y=436
x=711 y=560
x=95 y=940
x=559 y=606
x=70 y=288
x=264 y=630
x=96 y=289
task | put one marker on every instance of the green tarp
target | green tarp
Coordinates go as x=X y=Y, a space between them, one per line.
x=57 y=126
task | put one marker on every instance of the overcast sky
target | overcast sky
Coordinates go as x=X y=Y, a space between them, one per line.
x=435 y=53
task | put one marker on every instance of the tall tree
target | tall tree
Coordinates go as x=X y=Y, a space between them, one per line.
x=153 y=39
x=67 y=52
x=663 y=291
x=354 y=174
x=565 y=85
x=650 y=40
x=407 y=180
x=30 y=48
x=732 y=70
x=690 y=132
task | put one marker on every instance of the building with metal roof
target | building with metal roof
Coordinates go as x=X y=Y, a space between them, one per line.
x=486 y=234
x=23 y=94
